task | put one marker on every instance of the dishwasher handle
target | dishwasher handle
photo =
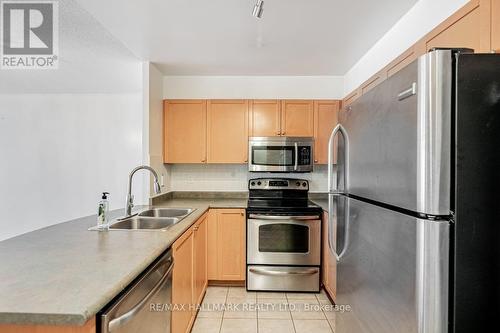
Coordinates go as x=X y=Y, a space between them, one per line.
x=127 y=316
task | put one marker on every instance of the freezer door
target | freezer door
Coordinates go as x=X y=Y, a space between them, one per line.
x=399 y=138
x=393 y=275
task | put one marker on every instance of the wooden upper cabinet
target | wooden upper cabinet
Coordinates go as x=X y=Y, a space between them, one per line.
x=325 y=119
x=265 y=118
x=227 y=131
x=185 y=131
x=403 y=60
x=460 y=30
x=495 y=26
x=351 y=97
x=200 y=259
x=297 y=118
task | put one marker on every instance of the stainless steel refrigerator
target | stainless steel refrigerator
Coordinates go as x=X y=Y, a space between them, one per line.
x=414 y=199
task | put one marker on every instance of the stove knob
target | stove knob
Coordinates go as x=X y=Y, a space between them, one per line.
x=252 y=183
x=297 y=183
x=304 y=184
x=259 y=183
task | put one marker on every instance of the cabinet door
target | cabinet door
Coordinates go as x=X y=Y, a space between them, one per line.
x=265 y=118
x=185 y=131
x=200 y=259
x=227 y=126
x=182 y=283
x=325 y=119
x=495 y=26
x=231 y=244
x=464 y=32
x=351 y=98
x=329 y=261
x=212 y=251
x=297 y=118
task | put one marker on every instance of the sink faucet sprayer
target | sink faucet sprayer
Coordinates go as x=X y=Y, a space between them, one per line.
x=130 y=197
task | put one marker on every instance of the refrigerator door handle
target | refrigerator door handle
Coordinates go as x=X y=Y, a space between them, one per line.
x=331 y=244
x=336 y=130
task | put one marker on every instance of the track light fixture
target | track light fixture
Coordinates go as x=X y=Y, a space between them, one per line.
x=258 y=9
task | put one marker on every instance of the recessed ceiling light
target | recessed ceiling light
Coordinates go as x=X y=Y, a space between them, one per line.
x=258 y=9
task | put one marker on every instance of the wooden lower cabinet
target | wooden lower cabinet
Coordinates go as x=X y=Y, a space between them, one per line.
x=190 y=277
x=329 y=262
x=200 y=258
x=226 y=244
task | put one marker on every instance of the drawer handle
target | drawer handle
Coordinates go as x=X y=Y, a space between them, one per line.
x=260 y=271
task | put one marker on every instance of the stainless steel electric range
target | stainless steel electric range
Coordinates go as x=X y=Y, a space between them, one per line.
x=283 y=236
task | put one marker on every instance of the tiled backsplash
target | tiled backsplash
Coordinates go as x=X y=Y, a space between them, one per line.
x=232 y=177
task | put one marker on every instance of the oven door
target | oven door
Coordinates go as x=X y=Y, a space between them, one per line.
x=281 y=154
x=283 y=240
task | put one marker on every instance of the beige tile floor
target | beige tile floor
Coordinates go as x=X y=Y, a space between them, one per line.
x=234 y=310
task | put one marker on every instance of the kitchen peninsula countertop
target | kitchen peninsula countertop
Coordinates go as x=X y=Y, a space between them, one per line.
x=64 y=274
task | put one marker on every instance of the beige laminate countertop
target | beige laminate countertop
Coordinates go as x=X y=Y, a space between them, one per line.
x=65 y=274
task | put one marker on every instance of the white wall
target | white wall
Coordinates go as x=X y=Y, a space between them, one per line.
x=314 y=87
x=220 y=177
x=68 y=134
x=420 y=19
x=153 y=132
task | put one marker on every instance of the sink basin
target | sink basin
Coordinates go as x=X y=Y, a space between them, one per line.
x=143 y=223
x=167 y=212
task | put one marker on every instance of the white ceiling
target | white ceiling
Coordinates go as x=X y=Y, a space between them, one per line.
x=221 y=37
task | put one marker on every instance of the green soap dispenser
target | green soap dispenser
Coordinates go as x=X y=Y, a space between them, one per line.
x=102 y=212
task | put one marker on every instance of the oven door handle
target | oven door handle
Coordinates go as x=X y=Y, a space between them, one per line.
x=261 y=271
x=282 y=218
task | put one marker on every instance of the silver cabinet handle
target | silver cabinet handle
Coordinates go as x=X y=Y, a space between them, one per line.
x=288 y=218
x=296 y=157
x=261 y=271
x=408 y=92
x=127 y=316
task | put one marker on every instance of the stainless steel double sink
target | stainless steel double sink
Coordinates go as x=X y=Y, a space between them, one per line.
x=152 y=219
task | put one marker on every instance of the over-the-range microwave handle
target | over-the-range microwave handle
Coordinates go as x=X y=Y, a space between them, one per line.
x=127 y=316
x=296 y=165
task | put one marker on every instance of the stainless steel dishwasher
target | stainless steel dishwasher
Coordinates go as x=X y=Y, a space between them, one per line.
x=145 y=305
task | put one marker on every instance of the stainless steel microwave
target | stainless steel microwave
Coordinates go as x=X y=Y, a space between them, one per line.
x=280 y=154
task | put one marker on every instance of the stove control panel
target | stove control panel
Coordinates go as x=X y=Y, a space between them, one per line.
x=278 y=184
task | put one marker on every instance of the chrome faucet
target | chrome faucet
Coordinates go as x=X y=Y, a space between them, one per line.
x=130 y=197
